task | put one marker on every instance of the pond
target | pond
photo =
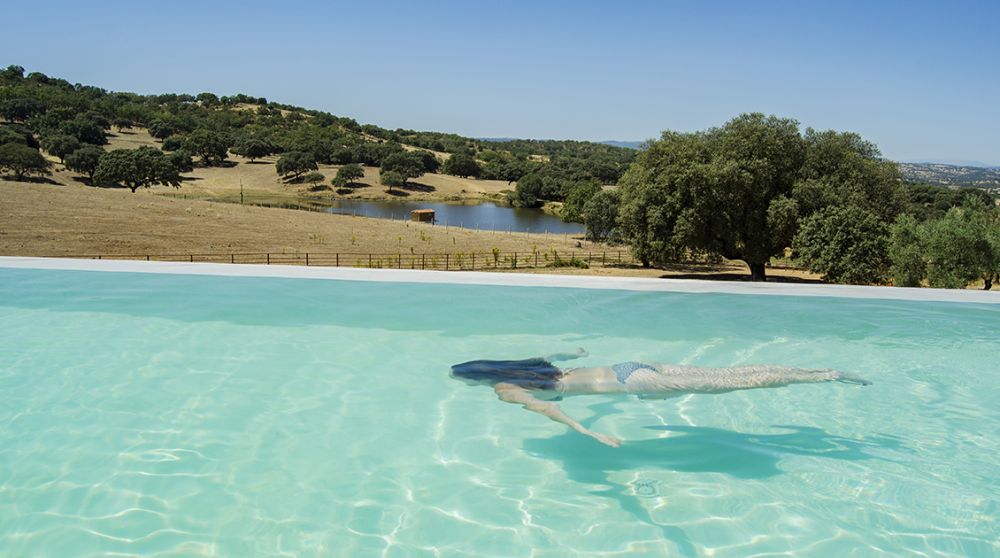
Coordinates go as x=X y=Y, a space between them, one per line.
x=484 y=216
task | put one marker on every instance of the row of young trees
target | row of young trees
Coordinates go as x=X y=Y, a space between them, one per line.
x=757 y=186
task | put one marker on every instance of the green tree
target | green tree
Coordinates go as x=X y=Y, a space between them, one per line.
x=17 y=134
x=573 y=208
x=85 y=130
x=136 y=168
x=172 y=143
x=717 y=192
x=61 y=145
x=181 y=160
x=20 y=109
x=404 y=165
x=462 y=165
x=600 y=215
x=527 y=192
x=314 y=178
x=211 y=146
x=84 y=160
x=253 y=148
x=348 y=174
x=428 y=160
x=906 y=252
x=294 y=163
x=161 y=129
x=11 y=74
x=122 y=123
x=22 y=160
x=961 y=247
x=391 y=179
x=846 y=243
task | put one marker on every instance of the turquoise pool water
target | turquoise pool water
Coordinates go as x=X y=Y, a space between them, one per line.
x=175 y=415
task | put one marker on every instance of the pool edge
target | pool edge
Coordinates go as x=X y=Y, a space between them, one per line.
x=502 y=279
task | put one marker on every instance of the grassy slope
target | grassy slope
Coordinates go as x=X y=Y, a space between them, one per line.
x=261 y=184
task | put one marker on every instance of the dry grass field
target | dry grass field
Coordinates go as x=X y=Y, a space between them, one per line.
x=63 y=218
x=59 y=215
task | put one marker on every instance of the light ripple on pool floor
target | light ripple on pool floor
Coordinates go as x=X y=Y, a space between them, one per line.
x=313 y=418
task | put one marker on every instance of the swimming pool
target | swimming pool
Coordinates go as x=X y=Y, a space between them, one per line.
x=177 y=414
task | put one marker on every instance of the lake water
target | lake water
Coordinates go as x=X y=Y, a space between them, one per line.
x=485 y=216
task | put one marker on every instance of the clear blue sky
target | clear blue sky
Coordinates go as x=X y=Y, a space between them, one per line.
x=919 y=78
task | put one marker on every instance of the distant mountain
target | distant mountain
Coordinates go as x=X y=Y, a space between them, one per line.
x=956 y=176
x=628 y=144
x=953 y=162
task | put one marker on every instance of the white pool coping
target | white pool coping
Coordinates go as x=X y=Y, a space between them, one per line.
x=502 y=279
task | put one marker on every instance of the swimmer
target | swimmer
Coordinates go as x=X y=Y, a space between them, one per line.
x=535 y=382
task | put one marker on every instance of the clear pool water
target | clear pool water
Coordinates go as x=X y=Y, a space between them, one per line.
x=176 y=415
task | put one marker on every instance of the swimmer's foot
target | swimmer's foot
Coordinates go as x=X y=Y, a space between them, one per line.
x=845 y=378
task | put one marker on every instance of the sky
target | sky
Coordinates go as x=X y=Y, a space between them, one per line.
x=920 y=79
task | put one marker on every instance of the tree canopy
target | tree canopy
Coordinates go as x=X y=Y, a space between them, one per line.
x=462 y=164
x=84 y=160
x=348 y=174
x=136 y=168
x=295 y=163
x=22 y=160
x=743 y=190
x=404 y=166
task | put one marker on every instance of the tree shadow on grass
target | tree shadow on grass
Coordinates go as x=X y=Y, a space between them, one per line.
x=691 y=449
x=398 y=193
x=31 y=179
x=417 y=187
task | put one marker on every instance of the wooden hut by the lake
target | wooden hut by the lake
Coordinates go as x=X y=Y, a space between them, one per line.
x=422 y=215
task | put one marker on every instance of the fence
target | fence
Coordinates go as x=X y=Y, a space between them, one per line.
x=457 y=261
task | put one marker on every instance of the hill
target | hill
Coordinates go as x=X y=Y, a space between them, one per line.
x=951 y=175
x=213 y=136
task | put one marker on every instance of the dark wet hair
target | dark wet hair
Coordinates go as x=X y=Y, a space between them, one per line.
x=531 y=373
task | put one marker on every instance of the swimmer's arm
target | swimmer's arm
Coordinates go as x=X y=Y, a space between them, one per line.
x=511 y=393
x=580 y=353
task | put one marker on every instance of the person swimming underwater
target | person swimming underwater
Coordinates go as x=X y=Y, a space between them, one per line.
x=535 y=382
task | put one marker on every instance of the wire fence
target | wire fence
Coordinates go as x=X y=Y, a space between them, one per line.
x=454 y=261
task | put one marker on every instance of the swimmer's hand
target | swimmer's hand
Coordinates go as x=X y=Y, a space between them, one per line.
x=579 y=353
x=604 y=439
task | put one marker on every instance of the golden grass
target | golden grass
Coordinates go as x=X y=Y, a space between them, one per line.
x=64 y=218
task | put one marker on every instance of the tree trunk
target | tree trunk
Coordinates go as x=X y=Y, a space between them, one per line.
x=988 y=282
x=757 y=272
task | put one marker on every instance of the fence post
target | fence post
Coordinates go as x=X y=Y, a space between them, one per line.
x=338 y=259
x=190 y=257
x=268 y=258
x=399 y=261
x=423 y=261
x=307 y=258
x=473 y=268
x=446 y=261
x=369 y=261
x=536 y=259
x=147 y=257
x=232 y=258
x=98 y=257
x=514 y=261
